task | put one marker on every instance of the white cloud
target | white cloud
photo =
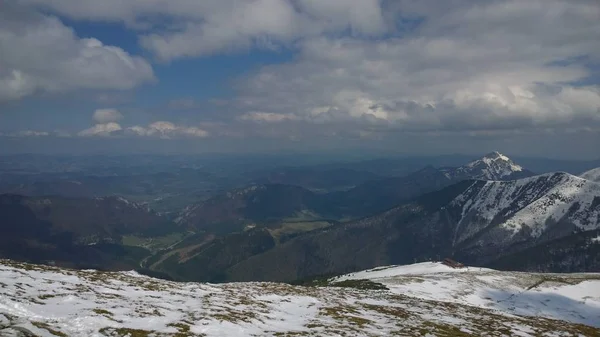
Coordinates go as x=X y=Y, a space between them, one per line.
x=163 y=129
x=268 y=117
x=39 y=53
x=102 y=130
x=498 y=65
x=106 y=125
x=373 y=69
x=228 y=28
x=30 y=133
x=214 y=26
x=104 y=116
x=37 y=134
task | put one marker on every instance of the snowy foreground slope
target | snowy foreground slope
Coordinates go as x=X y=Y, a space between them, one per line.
x=570 y=297
x=422 y=300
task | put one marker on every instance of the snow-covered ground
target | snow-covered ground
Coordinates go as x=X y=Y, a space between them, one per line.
x=570 y=297
x=422 y=300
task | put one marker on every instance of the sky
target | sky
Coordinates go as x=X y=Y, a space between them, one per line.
x=391 y=76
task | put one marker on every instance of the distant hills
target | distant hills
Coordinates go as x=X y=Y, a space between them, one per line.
x=258 y=204
x=379 y=195
x=488 y=212
x=476 y=222
x=170 y=183
x=316 y=179
x=76 y=231
x=266 y=203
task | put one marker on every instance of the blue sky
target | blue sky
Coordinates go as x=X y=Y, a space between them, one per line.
x=400 y=76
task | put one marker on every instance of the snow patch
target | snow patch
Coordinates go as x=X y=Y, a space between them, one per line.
x=570 y=297
x=423 y=268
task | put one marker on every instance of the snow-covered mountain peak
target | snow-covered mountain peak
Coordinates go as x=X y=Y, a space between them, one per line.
x=496 y=160
x=492 y=166
x=496 y=155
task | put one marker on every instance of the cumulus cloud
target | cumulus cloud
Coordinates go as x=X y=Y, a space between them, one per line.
x=37 y=134
x=495 y=66
x=40 y=53
x=106 y=126
x=102 y=130
x=268 y=117
x=213 y=26
x=370 y=69
x=30 y=133
x=167 y=130
x=104 y=116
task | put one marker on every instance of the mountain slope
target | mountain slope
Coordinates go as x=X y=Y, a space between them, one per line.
x=476 y=221
x=207 y=257
x=45 y=301
x=580 y=251
x=532 y=205
x=234 y=210
x=75 y=232
x=90 y=220
x=593 y=175
x=378 y=195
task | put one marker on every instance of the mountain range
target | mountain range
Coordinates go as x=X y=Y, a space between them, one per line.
x=258 y=204
x=263 y=203
x=479 y=222
x=489 y=212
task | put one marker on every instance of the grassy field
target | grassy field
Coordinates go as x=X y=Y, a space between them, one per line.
x=155 y=243
x=288 y=228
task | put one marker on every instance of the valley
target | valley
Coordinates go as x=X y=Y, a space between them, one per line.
x=488 y=212
x=288 y=168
